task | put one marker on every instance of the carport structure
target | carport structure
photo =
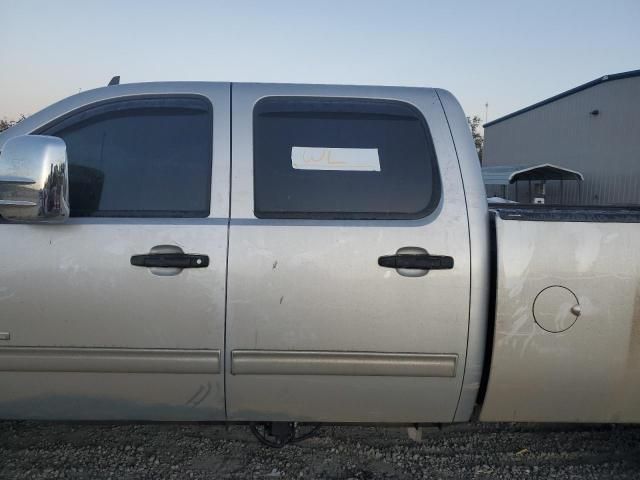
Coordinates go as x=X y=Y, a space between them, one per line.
x=505 y=175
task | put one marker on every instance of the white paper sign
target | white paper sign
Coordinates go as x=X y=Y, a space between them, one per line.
x=329 y=158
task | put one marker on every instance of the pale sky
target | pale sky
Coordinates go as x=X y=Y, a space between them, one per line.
x=508 y=53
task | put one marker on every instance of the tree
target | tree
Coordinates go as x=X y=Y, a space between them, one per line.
x=4 y=123
x=474 y=123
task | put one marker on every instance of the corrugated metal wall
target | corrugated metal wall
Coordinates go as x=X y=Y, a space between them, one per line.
x=604 y=147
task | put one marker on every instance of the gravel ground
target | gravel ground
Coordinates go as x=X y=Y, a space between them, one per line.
x=37 y=450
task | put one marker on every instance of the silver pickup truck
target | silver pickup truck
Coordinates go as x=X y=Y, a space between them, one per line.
x=298 y=253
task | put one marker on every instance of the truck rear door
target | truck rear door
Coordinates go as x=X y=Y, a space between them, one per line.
x=348 y=282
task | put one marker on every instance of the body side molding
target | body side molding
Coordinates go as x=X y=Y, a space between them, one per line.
x=108 y=360
x=284 y=362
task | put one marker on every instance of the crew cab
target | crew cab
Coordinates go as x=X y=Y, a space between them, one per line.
x=193 y=251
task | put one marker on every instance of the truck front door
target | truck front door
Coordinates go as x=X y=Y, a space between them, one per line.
x=348 y=284
x=90 y=332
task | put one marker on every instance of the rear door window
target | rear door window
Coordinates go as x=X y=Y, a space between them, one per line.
x=342 y=158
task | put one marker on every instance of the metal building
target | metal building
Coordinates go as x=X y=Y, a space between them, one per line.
x=593 y=129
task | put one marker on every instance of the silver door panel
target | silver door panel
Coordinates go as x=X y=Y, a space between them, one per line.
x=88 y=335
x=315 y=286
x=91 y=296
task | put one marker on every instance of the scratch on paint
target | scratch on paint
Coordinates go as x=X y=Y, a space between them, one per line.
x=195 y=395
x=206 y=394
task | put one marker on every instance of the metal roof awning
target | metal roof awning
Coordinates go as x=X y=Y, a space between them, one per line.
x=579 y=88
x=507 y=174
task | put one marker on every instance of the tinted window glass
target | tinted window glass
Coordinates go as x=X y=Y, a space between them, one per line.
x=139 y=158
x=395 y=171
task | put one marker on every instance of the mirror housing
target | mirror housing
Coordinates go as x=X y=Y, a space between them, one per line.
x=34 y=180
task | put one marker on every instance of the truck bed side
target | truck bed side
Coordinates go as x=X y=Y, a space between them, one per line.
x=566 y=344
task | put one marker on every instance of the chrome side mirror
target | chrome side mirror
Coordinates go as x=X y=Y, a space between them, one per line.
x=34 y=180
